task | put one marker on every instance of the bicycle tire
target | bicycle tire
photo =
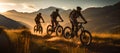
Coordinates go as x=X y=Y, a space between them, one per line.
x=59 y=31
x=84 y=32
x=49 y=31
x=67 y=34
x=35 y=28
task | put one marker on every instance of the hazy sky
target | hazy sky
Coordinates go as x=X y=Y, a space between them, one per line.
x=34 y=5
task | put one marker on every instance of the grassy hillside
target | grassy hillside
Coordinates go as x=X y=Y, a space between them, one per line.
x=100 y=19
x=104 y=18
x=9 y=23
x=22 y=41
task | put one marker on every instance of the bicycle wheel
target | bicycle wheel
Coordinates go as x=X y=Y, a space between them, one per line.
x=85 y=37
x=49 y=29
x=67 y=32
x=40 y=29
x=59 y=31
x=35 y=28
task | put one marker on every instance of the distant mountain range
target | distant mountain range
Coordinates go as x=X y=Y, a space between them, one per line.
x=100 y=19
x=104 y=18
x=9 y=23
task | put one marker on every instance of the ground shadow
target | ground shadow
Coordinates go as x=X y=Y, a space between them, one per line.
x=108 y=45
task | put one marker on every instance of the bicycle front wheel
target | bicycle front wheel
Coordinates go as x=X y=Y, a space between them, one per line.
x=67 y=32
x=85 y=37
x=59 y=31
x=40 y=29
x=49 y=30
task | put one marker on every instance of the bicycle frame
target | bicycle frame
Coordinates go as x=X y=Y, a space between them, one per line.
x=39 y=24
x=80 y=26
x=80 y=32
x=57 y=24
x=51 y=29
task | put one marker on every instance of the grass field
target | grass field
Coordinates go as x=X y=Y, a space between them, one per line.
x=22 y=41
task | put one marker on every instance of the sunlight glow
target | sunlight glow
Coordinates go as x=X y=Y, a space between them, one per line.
x=20 y=7
x=11 y=4
x=65 y=8
x=34 y=5
x=4 y=6
x=2 y=9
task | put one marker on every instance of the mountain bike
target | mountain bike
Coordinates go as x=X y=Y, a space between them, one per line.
x=84 y=35
x=38 y=28
x=58 y=29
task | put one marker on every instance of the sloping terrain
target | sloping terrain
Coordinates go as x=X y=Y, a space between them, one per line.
x=22 y=41
x=9 y=23
x=100 y=19
x=104 y=18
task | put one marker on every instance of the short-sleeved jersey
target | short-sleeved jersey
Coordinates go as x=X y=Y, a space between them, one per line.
x=74 y=14
x=54 y=15
x=37 y=18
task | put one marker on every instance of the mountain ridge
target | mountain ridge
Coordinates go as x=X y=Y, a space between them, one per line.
x=104 y=18
x=9 y=23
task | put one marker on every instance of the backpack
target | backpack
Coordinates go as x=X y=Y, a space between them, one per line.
x=37 y=18
x=72 y=14
x=54 y=14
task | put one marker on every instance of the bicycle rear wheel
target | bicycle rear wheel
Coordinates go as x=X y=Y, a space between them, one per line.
x=67 y=32
x=35 y=28
x=59 y=31
x=86 y=38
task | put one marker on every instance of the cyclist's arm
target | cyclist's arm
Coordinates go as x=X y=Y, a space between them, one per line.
x=60 y=17
x=82 y=17
x=42 y=19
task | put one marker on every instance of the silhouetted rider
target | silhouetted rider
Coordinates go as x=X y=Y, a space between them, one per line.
x=54 y=16
x=74 y=14
x=38 y=18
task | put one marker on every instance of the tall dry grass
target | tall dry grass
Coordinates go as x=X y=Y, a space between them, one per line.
x=106 y=35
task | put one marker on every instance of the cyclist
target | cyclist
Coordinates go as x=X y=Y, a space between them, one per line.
x=54 y=16
x=74 y=14
x=37 y=20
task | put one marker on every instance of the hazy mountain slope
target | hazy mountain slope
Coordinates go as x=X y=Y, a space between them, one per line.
x=100 y=19
x=9 y=23
x=104 y=18
x=28 y=18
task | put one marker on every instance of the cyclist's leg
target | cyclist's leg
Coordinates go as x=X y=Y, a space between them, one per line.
x=53 y=25
x=56 y=23
x=41 y=29
x=72 y=25
x=37 y=23
x=52 y=21
x=76 y=27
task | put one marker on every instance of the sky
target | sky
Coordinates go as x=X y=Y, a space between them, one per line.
x=34 y=5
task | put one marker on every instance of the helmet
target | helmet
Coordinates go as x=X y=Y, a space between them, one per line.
x=39 y=13
x=79 y=8
x=57 y=9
